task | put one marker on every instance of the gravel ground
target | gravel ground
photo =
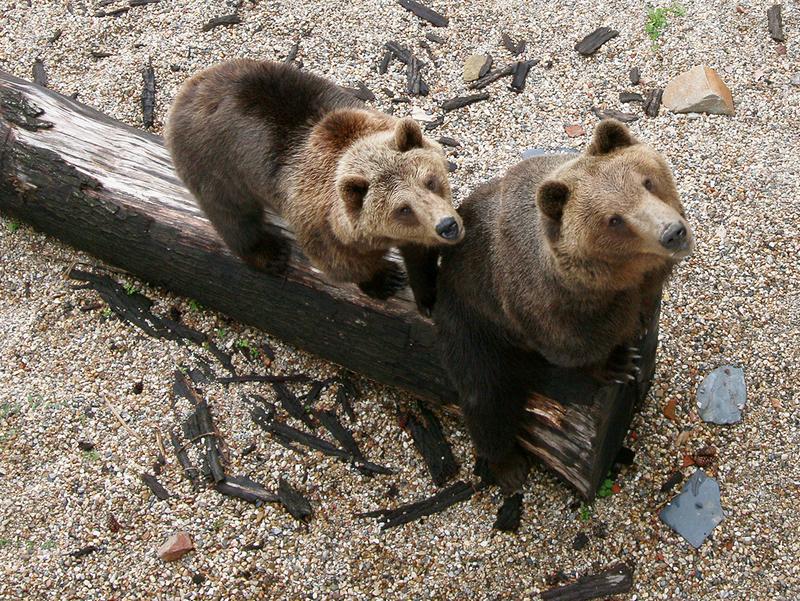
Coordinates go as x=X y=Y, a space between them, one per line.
x=64 y=370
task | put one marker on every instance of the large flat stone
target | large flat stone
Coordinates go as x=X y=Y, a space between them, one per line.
x=696 y=511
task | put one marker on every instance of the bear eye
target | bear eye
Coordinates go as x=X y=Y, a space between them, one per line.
x=615 y=221
x=648 y=184
x=404 y=211
x=432 y=183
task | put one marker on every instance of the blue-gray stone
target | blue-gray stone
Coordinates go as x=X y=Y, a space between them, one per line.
x=696 y=511
x=722 y=395
x=537 y=152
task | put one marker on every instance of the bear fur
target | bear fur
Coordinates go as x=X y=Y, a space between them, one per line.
x=565 y=257
x=350 y=182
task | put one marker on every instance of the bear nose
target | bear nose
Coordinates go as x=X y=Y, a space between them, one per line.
x=447 y=228
x=674 y=236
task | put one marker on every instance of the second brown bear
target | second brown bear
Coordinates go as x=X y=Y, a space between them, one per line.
x=350 y=182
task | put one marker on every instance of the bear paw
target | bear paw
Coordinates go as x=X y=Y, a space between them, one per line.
x=511 y=472
x=386 y=282
x=622 y=366
x=270 y=255
x=425 y=302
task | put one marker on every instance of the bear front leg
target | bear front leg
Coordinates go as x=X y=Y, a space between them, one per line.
x=240 y=223
x=490 y=378
x=386 y=280
x=422 y=267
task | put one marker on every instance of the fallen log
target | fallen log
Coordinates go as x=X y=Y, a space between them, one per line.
x=110 y=190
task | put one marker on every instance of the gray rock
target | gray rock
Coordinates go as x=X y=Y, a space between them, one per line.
x=696 y=511
x=537 y=152
x=477 y=66
x=721 y=395
x=796 y=79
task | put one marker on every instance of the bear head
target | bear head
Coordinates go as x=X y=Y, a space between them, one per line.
x=612 y=216
x=394 y=186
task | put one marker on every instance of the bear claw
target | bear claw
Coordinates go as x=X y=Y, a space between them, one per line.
x=385 y=282
x=270 y=255
x=622 y=366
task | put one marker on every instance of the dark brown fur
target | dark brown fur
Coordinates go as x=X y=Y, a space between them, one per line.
x=545 y=272
x=245 y=135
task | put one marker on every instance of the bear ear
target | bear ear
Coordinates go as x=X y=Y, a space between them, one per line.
x=551 y=197
x=353 y=190
x=610 y=135
x=407 y=134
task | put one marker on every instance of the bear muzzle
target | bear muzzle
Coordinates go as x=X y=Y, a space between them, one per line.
x=675 y=237
x=448 y=229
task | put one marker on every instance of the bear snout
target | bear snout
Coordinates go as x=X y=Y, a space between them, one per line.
x=448 y=228
x=675 y=237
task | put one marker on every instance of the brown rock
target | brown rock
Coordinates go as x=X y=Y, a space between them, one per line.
x=698 y=90
x=477 y=66
x=574 y=131
x=175 y=547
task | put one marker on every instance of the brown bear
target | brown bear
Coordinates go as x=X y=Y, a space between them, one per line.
x=563 y=253
x=350 y=182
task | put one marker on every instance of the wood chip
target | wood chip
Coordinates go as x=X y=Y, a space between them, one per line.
x=225 y=20
x=429 y=440
x=362 y=92
x=423 y=12
x=455 y=493
x=613 y=114
x=520 y=75
x=775 y=23
x=155 y=486
x=39 y=73
x=433 y=37
x=415 y=85
x=330 y=421
x=462 y=101
x=635 y=75
x=142 y=2
x=514 y=48
x=671 y=482
x=592 y=42
x=148 y=96
x=615 y=580
x=669 y=409
x=213 y=455
x=190 y=472
x=510 y=514
x=384 y=65
x=294 y=502
x=292 y=55
x=626 y=97
x=84 y=551
x=242 y=487
x=493 y=76
x=448 y=141
x=346 y=393
x=292 y=405
x=653 y=102
x=112 y=13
